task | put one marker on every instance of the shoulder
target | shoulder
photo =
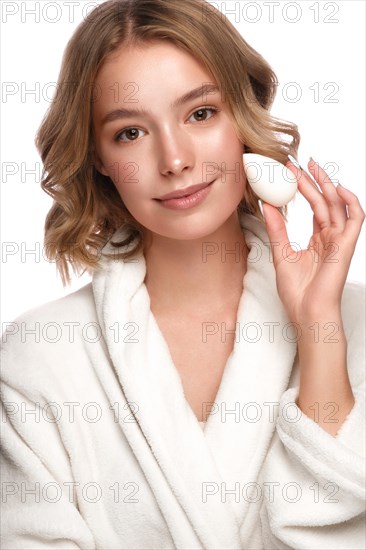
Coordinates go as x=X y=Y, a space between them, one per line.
x=72 y=304
x=56 y=314
x=48 y=339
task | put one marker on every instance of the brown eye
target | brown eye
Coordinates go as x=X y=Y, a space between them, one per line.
x=201 y=114
x=132 y=133
x=129 y=134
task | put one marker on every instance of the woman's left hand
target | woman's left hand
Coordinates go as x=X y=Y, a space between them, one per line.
x=310 y=282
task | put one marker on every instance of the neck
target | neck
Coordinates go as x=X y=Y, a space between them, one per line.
x=204 y=274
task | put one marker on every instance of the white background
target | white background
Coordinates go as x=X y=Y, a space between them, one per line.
x=312 y=46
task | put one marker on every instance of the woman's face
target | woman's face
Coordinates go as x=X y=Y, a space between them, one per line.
x=166 y=145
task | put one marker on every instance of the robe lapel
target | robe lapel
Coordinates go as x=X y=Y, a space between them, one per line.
x=242 y=423
x=194 y=463
x=170 y=432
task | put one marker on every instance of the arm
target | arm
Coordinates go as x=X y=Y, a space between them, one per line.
x=322 y=453
x=325 y=386
x=39 y=509
x=310 y=284
x=325 y=472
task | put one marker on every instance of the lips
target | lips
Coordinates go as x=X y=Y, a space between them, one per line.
x=185 y=192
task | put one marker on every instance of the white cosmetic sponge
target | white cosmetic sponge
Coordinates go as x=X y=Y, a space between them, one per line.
x=272 y=181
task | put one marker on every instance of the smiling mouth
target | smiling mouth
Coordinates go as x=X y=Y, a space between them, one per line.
x=186 y=192
x=184 y=199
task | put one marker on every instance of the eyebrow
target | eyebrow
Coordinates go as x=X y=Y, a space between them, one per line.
x=201 y=91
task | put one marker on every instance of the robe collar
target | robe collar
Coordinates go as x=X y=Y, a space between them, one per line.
x=202 y=468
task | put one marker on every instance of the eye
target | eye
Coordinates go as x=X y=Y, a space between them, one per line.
x=130 y=133
x=202 y=113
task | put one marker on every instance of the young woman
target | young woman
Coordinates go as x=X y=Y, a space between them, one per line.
x=206 y=389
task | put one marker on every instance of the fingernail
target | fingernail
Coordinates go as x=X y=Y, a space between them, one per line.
x=294 y=161
x=260 y=206
x=313 y=161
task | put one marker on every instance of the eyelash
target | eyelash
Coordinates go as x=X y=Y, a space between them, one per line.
x=206 y=107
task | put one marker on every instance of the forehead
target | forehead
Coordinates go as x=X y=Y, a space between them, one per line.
x=153 y=71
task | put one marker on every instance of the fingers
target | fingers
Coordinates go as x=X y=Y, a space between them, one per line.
x=316 y=227
x=356 y=215
x=313 y=195
x=336 y=205
x=277 y=233
x=328 y=206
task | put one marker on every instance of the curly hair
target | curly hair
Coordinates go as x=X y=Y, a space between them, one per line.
x=87 y=208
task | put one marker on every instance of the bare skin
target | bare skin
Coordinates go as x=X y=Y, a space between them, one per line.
x=187 y=294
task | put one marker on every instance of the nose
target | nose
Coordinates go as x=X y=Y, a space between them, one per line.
x=175 y=152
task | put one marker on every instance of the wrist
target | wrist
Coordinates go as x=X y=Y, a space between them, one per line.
x=323 y=327
x=319 y=312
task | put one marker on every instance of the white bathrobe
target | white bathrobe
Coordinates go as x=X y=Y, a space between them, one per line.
x=101 y=450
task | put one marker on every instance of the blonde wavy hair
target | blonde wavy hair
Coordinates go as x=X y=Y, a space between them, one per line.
x=87 y=208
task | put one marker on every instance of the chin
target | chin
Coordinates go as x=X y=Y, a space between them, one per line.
x=189 y=231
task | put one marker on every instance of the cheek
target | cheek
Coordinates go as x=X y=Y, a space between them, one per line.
x=229 y=152
x=224 y=144
x=129 y=182
x=127 y=177
x=125 y=173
